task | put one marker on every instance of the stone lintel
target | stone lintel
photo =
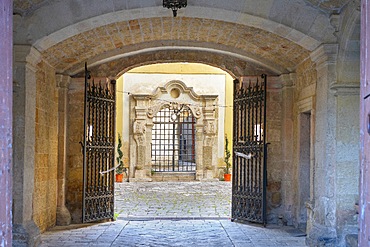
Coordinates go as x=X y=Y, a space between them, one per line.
x=288 y=80
x=305 y=105
x=341 y=89
x=27 y=54
x=307 y=92
x=63 y=81
x=324 y=55
x=140 y=96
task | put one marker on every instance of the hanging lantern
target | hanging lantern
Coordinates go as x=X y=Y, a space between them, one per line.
x=174 y=5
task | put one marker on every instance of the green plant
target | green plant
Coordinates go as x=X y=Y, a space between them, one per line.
x=227 y=156
x=115 y=216
x=120 y=168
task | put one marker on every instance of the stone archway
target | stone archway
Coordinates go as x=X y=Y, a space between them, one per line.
x=271 y=37
x=144 y=107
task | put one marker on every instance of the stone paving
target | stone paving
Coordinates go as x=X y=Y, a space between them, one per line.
x=173 y=214
x=173 y=200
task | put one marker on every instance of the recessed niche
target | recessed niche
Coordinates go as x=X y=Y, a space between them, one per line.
x=175 y=93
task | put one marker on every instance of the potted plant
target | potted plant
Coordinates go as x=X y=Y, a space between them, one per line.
x=227 y=175
x=120 y=169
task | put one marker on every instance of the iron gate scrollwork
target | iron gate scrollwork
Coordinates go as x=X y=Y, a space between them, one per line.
x=173 y=140
x=249 y=152
x=98 y=150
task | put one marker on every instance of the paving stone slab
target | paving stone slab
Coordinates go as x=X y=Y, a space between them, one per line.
x=161 y=214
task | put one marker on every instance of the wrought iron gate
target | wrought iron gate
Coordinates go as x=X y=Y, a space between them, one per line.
x=98 y=150
x=250 y=152
x=173 y=140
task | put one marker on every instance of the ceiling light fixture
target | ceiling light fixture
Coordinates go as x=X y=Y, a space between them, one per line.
x=174 y=5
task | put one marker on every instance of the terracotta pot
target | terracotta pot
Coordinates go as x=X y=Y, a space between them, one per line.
x=227 y=177
x=119 y=178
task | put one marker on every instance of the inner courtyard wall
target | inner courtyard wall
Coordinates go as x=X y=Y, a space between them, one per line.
x=46 y=148
x=202 y=84
x=171 y=71
x=74 y=169
x=304 y=103
x=275 y=161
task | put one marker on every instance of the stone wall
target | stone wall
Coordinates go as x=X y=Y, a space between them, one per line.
x=365 y=135
x=304 y=105
x=6 y=140
x=46 y=144
x=74 y=170
x=275 y=164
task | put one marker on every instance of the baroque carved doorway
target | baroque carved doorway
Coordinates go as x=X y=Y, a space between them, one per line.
x=173 y=130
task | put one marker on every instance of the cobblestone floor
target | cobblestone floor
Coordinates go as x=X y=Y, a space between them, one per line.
x=172 y=214
x=173 y=200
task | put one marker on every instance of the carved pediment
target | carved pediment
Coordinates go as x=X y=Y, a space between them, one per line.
x=175 y=88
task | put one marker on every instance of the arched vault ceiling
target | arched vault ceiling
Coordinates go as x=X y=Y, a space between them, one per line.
x=118 y=38
x=234 y=66
x=28 y=6
x=48 y=22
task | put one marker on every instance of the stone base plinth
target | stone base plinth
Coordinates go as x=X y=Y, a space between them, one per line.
x=63 y=216
x=27 y=234
x=209 y=175
x=173 y=176
x=141 y=176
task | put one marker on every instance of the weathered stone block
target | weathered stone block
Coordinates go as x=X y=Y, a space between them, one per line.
x=276 y=199
x=274 y=186
x=352 y=240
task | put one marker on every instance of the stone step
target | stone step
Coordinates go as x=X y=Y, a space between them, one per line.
x=173 y=176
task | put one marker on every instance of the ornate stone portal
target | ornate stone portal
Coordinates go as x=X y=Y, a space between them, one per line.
x=174 y=95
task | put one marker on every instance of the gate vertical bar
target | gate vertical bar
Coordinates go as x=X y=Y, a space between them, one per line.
x=87 y=77
x=264 y=210
x=235 y=141
x=113 y=136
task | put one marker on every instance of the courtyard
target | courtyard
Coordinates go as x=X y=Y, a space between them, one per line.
x=173 y=214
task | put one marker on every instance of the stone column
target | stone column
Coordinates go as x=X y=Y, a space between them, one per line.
x=209 y=137
x=140 y=133
x=199 y=150
x=323 y=219
x=287 y=81
x=364 y=206
x=26 y=59
x=6 y=11
x=63 y=215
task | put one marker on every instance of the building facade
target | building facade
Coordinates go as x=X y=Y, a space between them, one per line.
x=309 y=50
